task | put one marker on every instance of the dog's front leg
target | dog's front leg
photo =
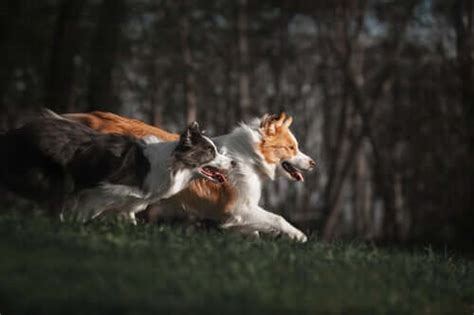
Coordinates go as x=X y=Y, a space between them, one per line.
x=257 y=219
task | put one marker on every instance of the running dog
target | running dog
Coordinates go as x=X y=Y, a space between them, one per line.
x=63 y=165
x=263 y=149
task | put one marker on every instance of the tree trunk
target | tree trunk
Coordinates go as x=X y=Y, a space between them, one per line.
x=155 y=112
x=362 y=196
x=105 y=52
x=243 y=50
x=59 y=90
x=9 y=17
x=366 y=113
x=464 y=29
x=189 y=79
x=463 y=20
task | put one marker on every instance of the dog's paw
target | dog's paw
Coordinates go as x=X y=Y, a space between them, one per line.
x=299 y=236
x=290 y=231
x=296 y=235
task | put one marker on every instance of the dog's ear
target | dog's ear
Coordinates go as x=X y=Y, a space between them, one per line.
x=194 y=128
x=280 y=119
x=195 y=131
x=271 y=123
x=190 y=134
x=267 y=125
x=287 y=122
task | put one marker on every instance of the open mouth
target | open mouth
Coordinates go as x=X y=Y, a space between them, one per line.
x=293 y=171
x=213 y=174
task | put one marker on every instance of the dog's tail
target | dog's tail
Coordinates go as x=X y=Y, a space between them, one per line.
x=48 y=113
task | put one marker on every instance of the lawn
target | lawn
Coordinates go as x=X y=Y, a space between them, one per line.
x=52 y=268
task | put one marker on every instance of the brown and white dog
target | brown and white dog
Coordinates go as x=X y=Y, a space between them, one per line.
x=263 y=149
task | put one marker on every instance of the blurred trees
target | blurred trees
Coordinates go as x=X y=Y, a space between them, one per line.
x=105 y=54
x=59 y=90
x=381 y=91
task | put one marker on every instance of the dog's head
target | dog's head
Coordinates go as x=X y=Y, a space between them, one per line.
x=198 y=153
x=279 y=147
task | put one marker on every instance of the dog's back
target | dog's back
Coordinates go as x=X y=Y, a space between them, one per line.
x=110 y=123
x=49 y=158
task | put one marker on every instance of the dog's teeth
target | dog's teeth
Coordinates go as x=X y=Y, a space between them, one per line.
x=298 y=176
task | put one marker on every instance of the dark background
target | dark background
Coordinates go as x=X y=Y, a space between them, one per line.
x=382 y=93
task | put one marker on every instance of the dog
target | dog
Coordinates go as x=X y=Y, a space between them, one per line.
x=61 y=164
x=263 y=149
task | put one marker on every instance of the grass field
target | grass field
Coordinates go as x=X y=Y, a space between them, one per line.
x=52 y=268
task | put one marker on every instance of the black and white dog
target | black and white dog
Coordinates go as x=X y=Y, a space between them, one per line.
x=69 y=168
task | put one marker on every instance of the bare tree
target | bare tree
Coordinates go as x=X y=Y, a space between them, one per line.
x=464 y=27
x=243 y=57
x=8 y=22
x=60 y=83
x=189 y=77
x=368 y=92
x=105 y=51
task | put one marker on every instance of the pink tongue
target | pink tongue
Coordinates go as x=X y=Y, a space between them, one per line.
x=298 y=176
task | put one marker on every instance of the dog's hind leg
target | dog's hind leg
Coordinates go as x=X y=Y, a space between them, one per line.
x=131 y=209
x=87 y=206
x=58 y=201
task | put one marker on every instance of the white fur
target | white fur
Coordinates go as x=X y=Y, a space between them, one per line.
x=301 y=160
x=151 y=139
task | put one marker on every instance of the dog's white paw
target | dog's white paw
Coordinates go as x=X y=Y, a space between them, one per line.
x=298 y=236
x=289 y=230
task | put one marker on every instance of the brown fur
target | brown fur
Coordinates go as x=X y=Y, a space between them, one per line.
x=278 y=143
x=111 y=123
x=216 y=200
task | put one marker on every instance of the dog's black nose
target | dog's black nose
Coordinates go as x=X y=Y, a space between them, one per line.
x=233 y=163
x=312 y=164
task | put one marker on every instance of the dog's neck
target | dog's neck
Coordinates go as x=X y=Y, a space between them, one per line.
x=242 y=144
x=165 y=178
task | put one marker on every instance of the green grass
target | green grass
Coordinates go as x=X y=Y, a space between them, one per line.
x=52 y=268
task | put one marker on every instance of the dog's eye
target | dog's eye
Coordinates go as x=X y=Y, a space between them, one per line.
x=292 y=147
x=210 y=149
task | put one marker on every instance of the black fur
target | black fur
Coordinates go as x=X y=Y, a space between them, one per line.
x=193 y=149
x=47 y=159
